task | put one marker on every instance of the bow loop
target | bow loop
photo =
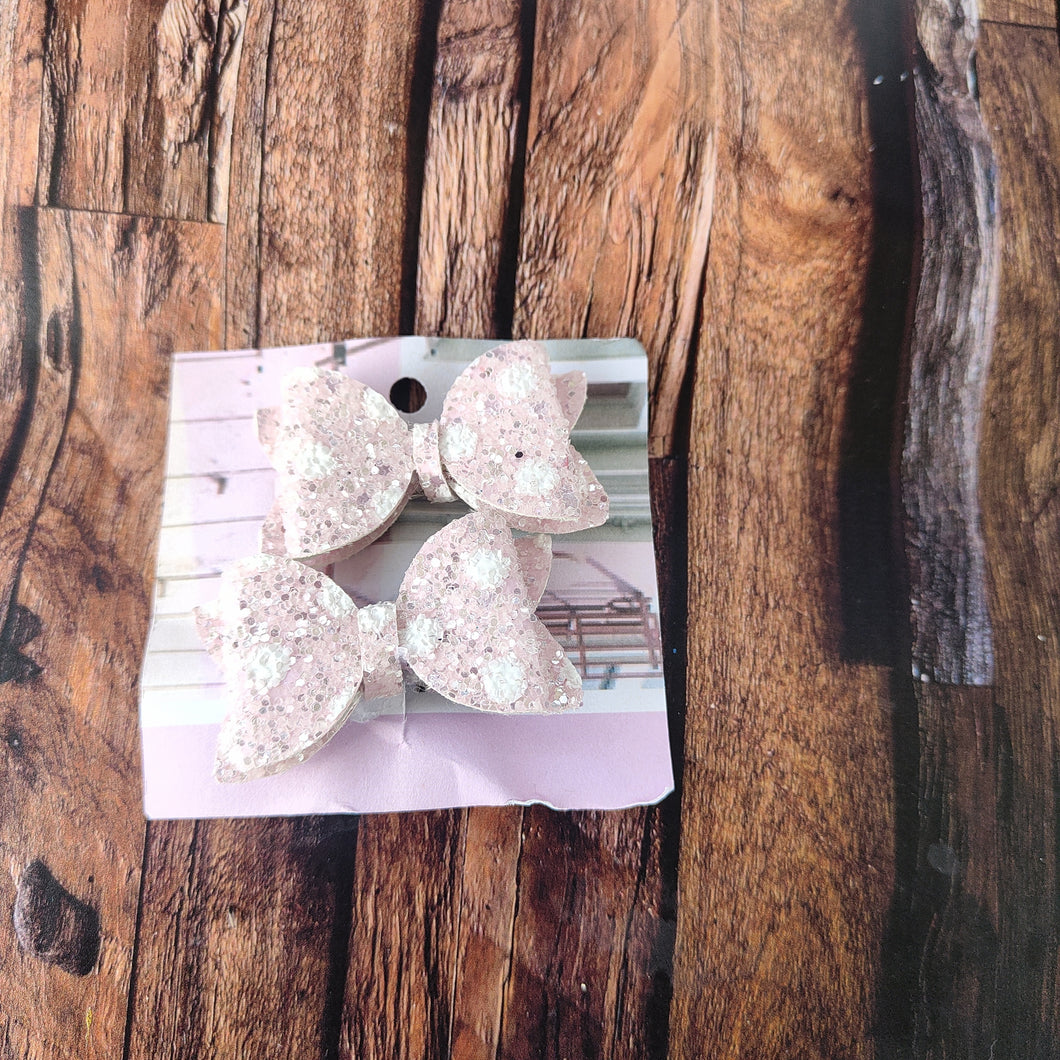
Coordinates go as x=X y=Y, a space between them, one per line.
x=298 y=655
x=346 y=463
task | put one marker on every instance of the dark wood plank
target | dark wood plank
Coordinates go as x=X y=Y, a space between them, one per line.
x=786 y=858
x=475 y=142
x=106 y=295
x=243 y=938
x=620 y=185
x=987 y=873
x=952 y=336
x=399 y=990
x=589 y=938
x=332 y=203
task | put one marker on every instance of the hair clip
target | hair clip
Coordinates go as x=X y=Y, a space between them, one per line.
x=347 y=463
x=299 y=655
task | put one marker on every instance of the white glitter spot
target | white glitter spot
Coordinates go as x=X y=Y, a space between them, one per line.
x=372 y=619
x=504 y=680
x=535 y=478
x=377 y=408
x=312 y=460
x=458 y=442
x=487 y=568
x=517 y=381
x=266 y=666
x=387 y=500
x=335 y=602
x=422 y=636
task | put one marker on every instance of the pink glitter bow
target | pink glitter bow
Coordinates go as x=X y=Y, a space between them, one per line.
x=298 y=655
x=347 y=463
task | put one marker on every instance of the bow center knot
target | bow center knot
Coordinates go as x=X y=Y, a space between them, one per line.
x=377 y=625
x=427 y=460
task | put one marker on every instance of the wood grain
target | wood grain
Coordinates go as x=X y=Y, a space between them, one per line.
x=112 y=292
x=138 y=106
x=182 y=60
x=1002 y=896
x=82 y=152
x=243 y=230
x=488 y=895
x=334 y=176
x=399 y=989
x=620 y=185
x=21 y=39
x=952 y=336
x=475 y=142
x=1019 y=12
x=242 y=938
x=787 y=820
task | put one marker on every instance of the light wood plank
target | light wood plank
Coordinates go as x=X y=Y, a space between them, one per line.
x=620 y=186
x=82 y=152
x=1020 y=12
x=615 y=222
x=786 y=851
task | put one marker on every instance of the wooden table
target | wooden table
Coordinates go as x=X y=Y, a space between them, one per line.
x=852 y=325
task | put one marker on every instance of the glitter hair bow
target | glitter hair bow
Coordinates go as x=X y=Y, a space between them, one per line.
x=347 y=463
x=298 y=655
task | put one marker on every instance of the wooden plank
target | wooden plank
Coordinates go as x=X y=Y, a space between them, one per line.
x=399 y=989
x=488 y=895
x=588 y=935
x=82 y=153
x=314 y=250
x=472 y=179
x=21 y=41
x=787 y=823
x=987 y=873
x=1019 y=12
x=466 y=267
x=615 y=220
x=243 y=937
x=182 y=60
x=138 y=108
x=20 y=104
x=331 y=210
x=620 y=185
x=952 y=335
x=111 y=293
